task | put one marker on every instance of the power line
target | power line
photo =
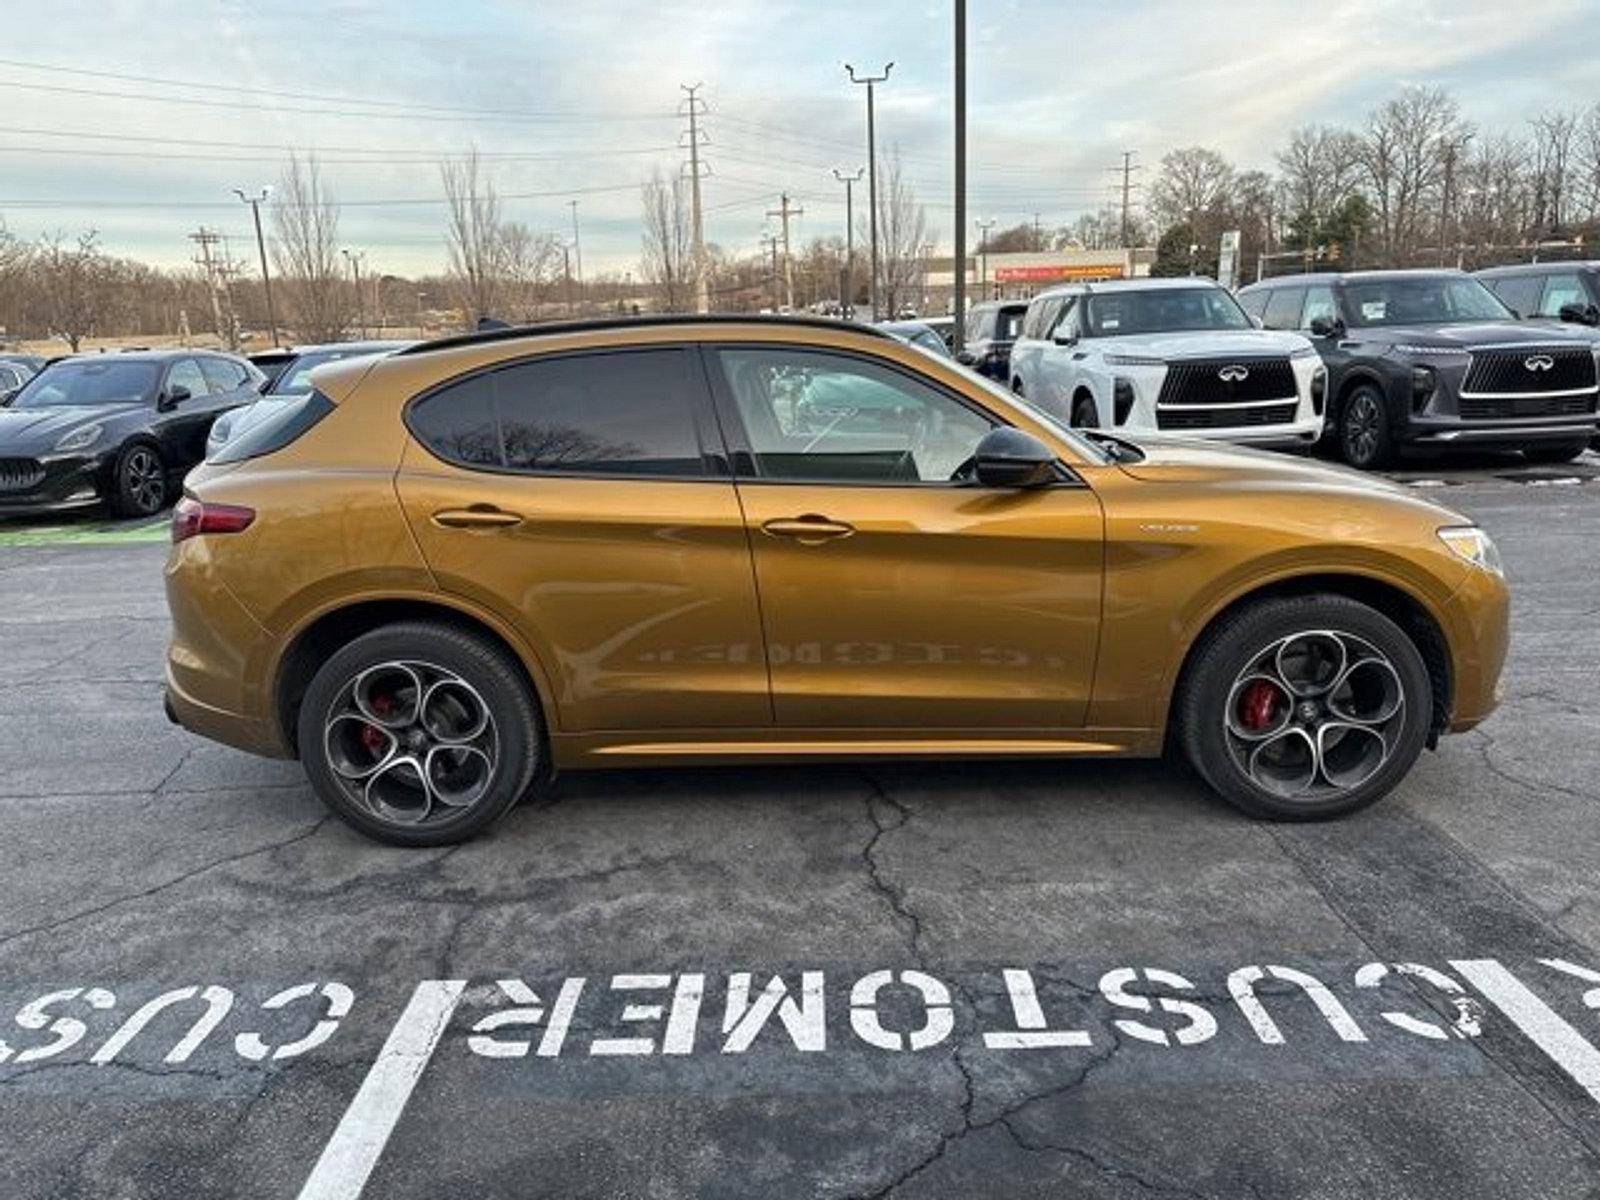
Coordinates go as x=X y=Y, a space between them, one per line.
x=396 y=203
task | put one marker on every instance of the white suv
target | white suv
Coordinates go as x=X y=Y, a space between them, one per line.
x=1168 y=355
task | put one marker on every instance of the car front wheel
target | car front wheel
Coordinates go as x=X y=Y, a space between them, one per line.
x=138 y=482
x=1364 y=437
x=1305 y=708
x=419 y=734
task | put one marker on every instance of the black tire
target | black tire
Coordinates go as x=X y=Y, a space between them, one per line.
x=512 y=742
x=138 y=481
x=1216 y=673
x=1084 y=413
x=1554 y=455
x=1365 y=441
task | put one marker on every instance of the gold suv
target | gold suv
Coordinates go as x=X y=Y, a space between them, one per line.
x=448 y=572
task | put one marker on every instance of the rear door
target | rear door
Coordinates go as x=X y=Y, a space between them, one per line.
x=585 y=498
x=185 y=424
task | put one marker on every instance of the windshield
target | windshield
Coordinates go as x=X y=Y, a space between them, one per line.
x=1162 y=310
x=296 y=377
x=1426 y=300
x=87 y=381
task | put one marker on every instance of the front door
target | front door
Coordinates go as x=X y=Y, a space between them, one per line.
x=584 y=498
x=893 y=594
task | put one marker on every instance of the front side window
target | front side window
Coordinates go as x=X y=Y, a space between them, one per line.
x=627 y=412
x=1254 y=303
x=89 y=382
x=1424 y=300
x=1559 y=291
x=1319 y=304
x=1283 y=310
x=815 y=417
x=1162 y=310
x=1519 y=292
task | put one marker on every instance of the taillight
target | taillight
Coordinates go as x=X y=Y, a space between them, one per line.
x=191 y=517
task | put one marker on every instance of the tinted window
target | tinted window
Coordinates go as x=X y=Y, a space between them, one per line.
x=1425 y=299
x=224 y=376
x=1319 y=303
x=1255 y=302
x=1560 y=290
x=186 y=374
x=622 y=413
x=1162 y=310
x=90 y=381
x=1008 y=323
x=1283 y=309
x=1520 y=292
x=817 y=417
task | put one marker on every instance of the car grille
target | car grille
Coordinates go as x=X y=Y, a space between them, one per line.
x=1202 y=382
x=1501 y=371
x=20 y=474
x=1225 y=418
x=1475 y=408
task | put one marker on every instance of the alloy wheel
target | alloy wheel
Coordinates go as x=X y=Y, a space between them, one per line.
x=1361 y=428
x=1314 y=715
x=412 y=743
x=143 y=480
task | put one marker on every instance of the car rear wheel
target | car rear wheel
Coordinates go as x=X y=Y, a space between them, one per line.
x=1554 y=454
x=1306 y=708
x=1364 y=437
x=418 y=734
x=138 y=482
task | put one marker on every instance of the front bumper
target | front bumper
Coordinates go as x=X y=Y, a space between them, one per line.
x=1446 y=432
x=66 y=482
x=1477 y=622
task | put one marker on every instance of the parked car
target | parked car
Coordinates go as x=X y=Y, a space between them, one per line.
x=446 y=572
x=115 y=429
x=293 y=379
x=16 y=370
x=945 y=327
x=1550 y=291
x=1432 y=359
x=1170 y=355
x=988 y=335
x=272 y=362
x=917 y=333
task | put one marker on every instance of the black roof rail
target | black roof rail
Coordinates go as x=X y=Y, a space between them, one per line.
x=554 y=328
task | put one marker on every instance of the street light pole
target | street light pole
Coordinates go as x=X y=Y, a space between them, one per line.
x=847 y=299
x=255 y=203
x=958 y=298
x=983 y=257
x=872 y=166
x=353 y=257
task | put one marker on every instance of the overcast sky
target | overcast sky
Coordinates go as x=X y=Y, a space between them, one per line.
x=578 y=100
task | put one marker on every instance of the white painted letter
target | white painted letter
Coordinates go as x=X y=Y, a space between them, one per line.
x=68 y=1031
x=1469 y=1013
x=681 y=1022
x=805 y=1021
x=1201 y=1026
x=254 y=1047
x=531 y=1013
x=218 y=1001
x=937 y=1025
x=1031 y=1032
x=1241 y=985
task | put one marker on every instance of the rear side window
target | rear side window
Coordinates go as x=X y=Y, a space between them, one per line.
x=222 y=375
x=289 y=420
x=619 y=413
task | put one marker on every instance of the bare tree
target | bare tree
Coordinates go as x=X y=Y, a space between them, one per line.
x=1413 y=145
x=1193 y=183
x=305 y=218
x=1555 y=143
x=532 y=263
x=74 y=286
x=1320 y=169
x=668 y=265
x=475 y=236
x=904 y=240
x=1588 y=167
x=1496 y=200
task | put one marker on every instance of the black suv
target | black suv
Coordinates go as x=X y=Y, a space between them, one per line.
x=1431 y=359
x=115 y=429
x=986 y=340
x=1550 y=291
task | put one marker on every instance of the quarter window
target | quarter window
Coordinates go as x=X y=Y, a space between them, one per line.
x=816 y=417
x=622 y=413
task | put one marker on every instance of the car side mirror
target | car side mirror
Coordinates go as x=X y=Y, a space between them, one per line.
x=7 y=396
x=174 y=396
x=1580 y=314
x=1010 y=458
x=966 y=357
x=1065 y=339
x=1324 y=327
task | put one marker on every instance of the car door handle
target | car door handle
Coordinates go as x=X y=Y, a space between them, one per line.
x=811 y=529
x=477 y=517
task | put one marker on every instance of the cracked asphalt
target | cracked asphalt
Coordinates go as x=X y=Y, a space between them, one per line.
x=139 y=860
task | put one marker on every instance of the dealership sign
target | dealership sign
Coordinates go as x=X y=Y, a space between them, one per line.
x=1058 y=272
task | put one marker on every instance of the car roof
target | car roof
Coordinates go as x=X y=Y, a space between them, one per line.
x=906 y=326
x=1581 y=264
x=373 y=346
x=1330 y=277
x=663 y=320
x=145 y=355
x=1142 y=284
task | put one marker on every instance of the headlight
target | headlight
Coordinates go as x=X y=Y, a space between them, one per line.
x=1133 y=360
x=1474 y=545
x=1304 y=352
x=80 y=438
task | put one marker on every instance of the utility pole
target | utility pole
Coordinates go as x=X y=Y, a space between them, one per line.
x=785 y=212
x=693 y=107
x=769 y=245
x=354 y=257
x=983 y=257
x=577 y=251
x=872 y=159
x=847 y=290
x=255 y=203
x=1127 y=168
x=206 y=239
x=959 y=297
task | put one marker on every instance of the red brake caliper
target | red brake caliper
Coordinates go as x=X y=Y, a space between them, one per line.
x=373 y=738
x=1257 y=705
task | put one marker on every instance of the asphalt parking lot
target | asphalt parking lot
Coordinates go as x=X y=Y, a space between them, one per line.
x=1023 y=980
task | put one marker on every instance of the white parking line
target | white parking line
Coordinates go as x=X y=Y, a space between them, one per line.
x=1567 y=1048
x=363 y=1131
